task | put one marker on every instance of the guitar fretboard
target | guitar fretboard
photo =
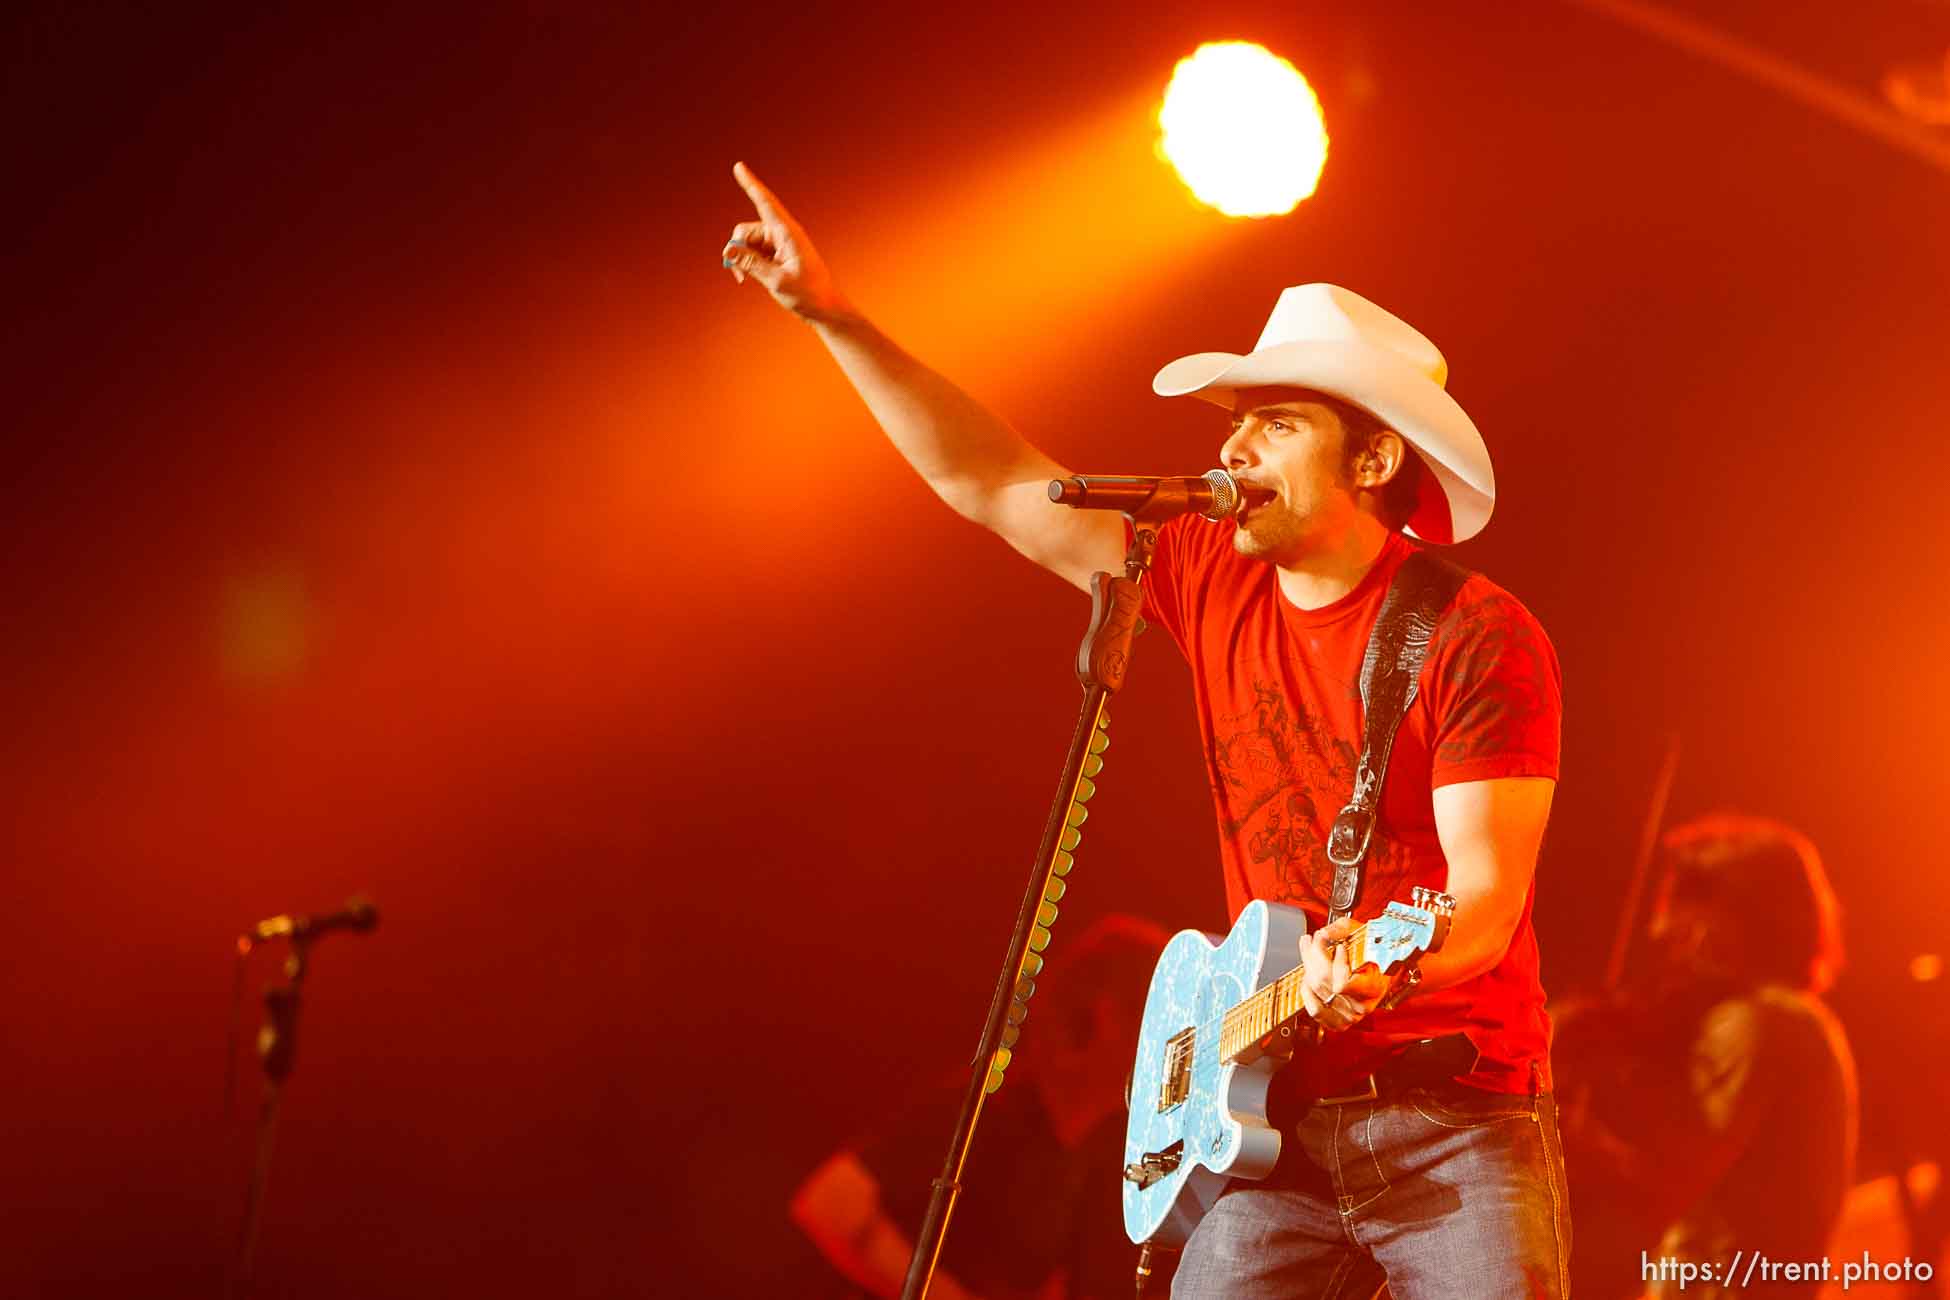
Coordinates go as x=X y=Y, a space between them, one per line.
x=1259 y=1015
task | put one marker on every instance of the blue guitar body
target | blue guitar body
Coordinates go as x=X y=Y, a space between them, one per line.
x=1198 y=1092
x=1221 y=1128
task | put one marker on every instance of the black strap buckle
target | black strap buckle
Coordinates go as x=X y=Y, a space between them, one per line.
x=1347 y=845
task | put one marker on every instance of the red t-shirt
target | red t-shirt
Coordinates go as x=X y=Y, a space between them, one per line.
x=1279 y=711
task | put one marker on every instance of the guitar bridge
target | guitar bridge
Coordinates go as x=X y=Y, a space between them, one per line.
x=1176 y=1083
x=1155 y=1165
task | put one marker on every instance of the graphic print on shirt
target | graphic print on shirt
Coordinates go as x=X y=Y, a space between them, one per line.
x=1503 y=676
x=1282 y=778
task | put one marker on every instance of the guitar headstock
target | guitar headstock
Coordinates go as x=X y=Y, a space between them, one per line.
x=1407 y=930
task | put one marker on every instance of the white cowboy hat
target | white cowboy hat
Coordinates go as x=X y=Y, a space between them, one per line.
x=1324 y=337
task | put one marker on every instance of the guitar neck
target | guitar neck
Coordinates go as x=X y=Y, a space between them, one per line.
x=1258 y=1016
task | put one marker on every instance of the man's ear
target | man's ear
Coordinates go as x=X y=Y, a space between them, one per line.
x=1381 y=461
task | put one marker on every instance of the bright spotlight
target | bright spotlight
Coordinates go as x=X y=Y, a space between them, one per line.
x=1243 y=129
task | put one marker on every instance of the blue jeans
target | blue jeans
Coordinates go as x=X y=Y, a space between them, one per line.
x=1453 y=1193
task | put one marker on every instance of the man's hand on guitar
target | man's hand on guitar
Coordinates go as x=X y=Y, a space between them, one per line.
x=1333 y=995
x=775 y=251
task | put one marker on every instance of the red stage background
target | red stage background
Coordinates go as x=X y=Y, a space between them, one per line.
x=401 y=497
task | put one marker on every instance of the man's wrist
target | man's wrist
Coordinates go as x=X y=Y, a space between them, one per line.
x=838 y=316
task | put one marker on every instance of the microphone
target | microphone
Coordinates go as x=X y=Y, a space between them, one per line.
x=1213 y=494
x=358 y=915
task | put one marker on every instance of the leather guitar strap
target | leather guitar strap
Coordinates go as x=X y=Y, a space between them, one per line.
x=1390 y=676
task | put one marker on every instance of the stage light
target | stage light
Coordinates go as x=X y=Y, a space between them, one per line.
x=1243 y=129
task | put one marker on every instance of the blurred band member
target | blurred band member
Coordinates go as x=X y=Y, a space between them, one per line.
x=1038 y=1215
x=1722 y=1099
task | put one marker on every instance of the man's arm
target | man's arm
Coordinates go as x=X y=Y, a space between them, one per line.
x=986 y=471
x=1490 y=833
x=838 y=1208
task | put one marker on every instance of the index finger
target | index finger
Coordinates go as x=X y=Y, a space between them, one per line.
x=763 y=199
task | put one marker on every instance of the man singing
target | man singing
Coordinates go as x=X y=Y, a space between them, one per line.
x=1405 y=1162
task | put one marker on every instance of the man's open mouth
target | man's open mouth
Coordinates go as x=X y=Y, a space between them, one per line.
x=1253 y=498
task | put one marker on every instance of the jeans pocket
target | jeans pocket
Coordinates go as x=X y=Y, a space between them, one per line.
x=1451 y=1110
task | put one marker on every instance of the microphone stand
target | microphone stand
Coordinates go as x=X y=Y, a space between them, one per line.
x=1102 y=661
x=277 y=1046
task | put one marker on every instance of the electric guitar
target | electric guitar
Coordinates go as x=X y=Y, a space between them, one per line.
x=1219 y=1019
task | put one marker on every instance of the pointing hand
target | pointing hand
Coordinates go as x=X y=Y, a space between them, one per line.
x=775 y=251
